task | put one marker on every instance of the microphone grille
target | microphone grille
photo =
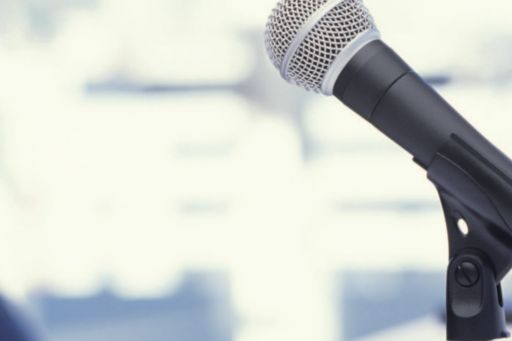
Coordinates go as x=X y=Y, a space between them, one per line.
x=305 y=37
x=284 y=23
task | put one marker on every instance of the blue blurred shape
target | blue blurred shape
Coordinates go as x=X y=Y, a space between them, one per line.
x=13 y=326
x=195 y=312
x=122 y=86
x=410 y=206
x=439 y=80
x=376 y=301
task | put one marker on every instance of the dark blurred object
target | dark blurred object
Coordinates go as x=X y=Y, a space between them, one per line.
x=199 y=310
x=13 y=326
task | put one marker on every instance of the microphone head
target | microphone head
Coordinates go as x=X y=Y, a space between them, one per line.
x=311 y=41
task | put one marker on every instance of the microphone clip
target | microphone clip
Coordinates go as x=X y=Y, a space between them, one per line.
x=475 y=196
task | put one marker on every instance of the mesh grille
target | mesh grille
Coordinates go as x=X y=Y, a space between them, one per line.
x=284 y=23
x=322 y=44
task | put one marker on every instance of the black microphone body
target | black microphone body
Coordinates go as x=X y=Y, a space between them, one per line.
x=382 y=88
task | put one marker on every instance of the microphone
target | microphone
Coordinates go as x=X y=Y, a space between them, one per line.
x=333 y=47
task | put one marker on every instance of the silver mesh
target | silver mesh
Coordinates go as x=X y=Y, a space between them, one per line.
x=321 y=45
x=284 y=23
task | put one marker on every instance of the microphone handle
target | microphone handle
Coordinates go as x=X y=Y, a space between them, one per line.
x=381 y=87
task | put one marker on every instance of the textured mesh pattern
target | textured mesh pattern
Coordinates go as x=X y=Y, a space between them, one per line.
x=284 y=23
x=322 y=44
x=326 y=41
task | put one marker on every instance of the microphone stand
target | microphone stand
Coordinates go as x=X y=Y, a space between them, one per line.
x=474 y=192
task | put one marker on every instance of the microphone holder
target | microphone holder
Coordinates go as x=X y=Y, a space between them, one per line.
x=475 y=193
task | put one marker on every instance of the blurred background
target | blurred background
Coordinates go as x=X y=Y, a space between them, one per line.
x=159 y=181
